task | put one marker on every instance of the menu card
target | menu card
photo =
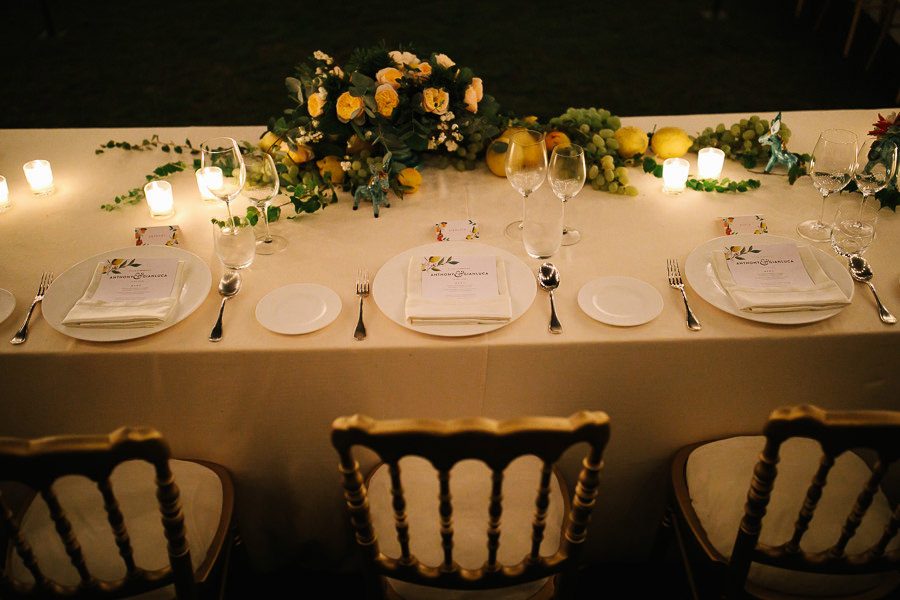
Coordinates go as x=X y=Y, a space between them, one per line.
x=769 y=266
x=459 y=278
x=136 y=280
x=163 y=235
x=745 y=224
x=452 y=231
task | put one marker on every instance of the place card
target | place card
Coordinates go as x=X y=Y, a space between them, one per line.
x=163 y=235
x=769 y=266
x=459 y=278
x=135 y=280
x=745 y=224
x=454 y=231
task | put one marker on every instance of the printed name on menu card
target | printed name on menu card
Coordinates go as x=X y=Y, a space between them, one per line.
x=769 y=266
x=134 y=280
x=459 y=278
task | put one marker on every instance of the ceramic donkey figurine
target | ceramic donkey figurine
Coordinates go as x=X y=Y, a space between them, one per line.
x=377 y=188
x=780 y=153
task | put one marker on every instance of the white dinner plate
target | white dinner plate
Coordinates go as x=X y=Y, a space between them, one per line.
x=623 y=301
x=389 y=286
x=70 y=286
x=699 y=273
x=298 y=308
x=7 y=304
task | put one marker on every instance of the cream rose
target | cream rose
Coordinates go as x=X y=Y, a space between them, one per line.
x=471 y=99
x=389 y=75
x=316 y=104
x=402 y=59
x=348 y=107
x=444 y=60
x=423 y=71
x=386 y=99
x=479 y=90
x=435 y=100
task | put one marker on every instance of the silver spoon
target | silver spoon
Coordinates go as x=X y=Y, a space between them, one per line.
x=228 y=287
x=548 y=277
x=860 y=271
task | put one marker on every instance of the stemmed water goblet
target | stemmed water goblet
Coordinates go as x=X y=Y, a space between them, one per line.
x=566 y=174
x=831 y=167
x=526 y=168
x=876 y=165
x=260 y=186
x=226 y=173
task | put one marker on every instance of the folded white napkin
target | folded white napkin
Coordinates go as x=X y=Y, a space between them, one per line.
x=88 y=312
x=427 y=311
x=823 y=295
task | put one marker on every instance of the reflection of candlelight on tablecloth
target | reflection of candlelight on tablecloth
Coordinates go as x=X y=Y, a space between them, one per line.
x=159 y=197
x=39 y=177
x=675 y=174
x=209 y=178
x=709 y=163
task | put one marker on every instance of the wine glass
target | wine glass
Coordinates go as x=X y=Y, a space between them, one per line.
x=876 y=165
x=831 y=167
x=223 y=153
x=566 y=174
x=260 y=186
x=854 y=227
x=526 y=166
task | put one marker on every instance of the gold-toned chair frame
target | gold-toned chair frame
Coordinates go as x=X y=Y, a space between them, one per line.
x=497 y=444
x=836 y=432
x=38 y=463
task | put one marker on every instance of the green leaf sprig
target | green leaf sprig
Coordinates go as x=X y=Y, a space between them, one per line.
x=136 y=195
x=150 y=144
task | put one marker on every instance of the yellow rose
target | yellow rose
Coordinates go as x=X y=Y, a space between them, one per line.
x=387 y=99
x=471 y=99
x=315 y=104
x=389 y=75
x=423 y=71
x=479 y=89
x=348 y=107
x=435 y=100
x=331 y=164
x=444 y=60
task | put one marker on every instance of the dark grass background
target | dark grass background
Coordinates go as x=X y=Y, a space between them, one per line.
x=204 y=62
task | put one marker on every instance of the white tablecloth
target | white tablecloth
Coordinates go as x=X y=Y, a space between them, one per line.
x=261 y=403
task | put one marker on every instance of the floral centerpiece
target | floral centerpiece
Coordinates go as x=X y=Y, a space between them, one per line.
x=888 y=128
x=345 y=119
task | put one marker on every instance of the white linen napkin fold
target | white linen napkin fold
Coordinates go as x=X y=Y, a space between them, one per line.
x=88 y=312
x=823 y=295
x=427 y=311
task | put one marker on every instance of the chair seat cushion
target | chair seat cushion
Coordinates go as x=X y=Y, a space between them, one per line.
x=718 y=477
x=470 y=488
x=135 y=489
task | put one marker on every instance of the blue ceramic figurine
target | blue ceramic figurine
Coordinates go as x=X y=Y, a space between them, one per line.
x=376 y=190
x=780 y=152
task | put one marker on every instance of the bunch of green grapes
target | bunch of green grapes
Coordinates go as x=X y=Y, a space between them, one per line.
x=741 y=140
x=359 y=173
x=594 y=130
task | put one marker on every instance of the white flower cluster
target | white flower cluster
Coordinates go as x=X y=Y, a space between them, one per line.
x=319 y=55
x=448 y=134
x=306 y=137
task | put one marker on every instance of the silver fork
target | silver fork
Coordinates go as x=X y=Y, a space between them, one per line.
x=362 y=290
x=22 y=334
x=676 y=282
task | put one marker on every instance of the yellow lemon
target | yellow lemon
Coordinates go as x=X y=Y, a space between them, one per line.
x=495 y=156
x=268 y=140
x=411 y=178
x=302 y=154
x=556 y=138
x=631 y=141
x=331 y=164
x=670 y=142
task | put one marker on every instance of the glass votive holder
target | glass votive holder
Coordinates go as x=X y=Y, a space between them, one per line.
x=4 y=194
x=709 y=163
x=39 y=177
x=209 y=177
x=159 y=197
x=675 y=174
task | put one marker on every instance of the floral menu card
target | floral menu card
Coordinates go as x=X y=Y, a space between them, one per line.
x=135 y=280
x=459 y=278
x=769 y=266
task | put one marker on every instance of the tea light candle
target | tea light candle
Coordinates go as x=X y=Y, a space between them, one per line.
x=709 y=163
x=675 y=174
x=39 y=177
x=4 y=194
x=209 y=177
x=159 y=197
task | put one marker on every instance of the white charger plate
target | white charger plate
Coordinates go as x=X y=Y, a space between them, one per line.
x=7 y=304
x=389 y=286
x=70 y=286
x=298 y=308
x=699 y=273
x=622 y=301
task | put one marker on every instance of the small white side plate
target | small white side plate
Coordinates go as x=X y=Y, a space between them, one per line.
x=7 y=304
x=623 y=301
x=298 y=308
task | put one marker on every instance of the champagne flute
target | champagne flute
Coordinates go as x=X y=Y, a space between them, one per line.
x=526 y=167
x=227 y=172
x=876 y=165
x=260 y=186
x=854 y=227
x=831 y=167
x=566 y=174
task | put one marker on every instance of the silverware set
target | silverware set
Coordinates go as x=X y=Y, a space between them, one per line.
x=22 y=334
x=362 y=290
x=676 y=282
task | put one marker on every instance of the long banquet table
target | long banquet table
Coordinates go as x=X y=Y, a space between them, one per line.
x=261 y=403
